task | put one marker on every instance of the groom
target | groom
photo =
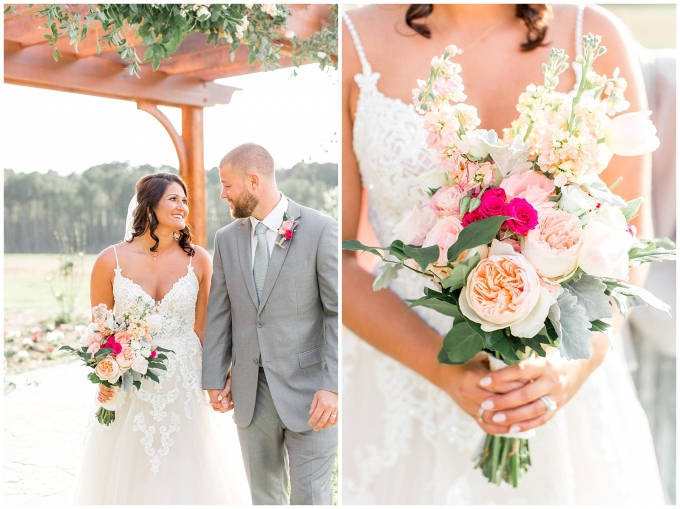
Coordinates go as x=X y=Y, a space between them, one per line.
x=271 y=339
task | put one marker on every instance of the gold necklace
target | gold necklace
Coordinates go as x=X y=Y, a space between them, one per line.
x=473 y=43
x=159 y=254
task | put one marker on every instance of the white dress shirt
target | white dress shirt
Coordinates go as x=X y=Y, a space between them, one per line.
x=273 y=223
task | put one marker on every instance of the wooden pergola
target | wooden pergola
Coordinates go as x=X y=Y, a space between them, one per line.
x=185 y=81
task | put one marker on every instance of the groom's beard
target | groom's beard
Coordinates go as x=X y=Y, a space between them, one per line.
x=243 y=206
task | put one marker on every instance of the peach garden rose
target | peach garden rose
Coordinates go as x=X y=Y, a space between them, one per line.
x=553 y=247
x=125 y=357
x=504 y=290
x=107 y=369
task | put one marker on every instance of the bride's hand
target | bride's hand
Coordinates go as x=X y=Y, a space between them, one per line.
x=462 y=383
x=105 y=393
x=522 y=408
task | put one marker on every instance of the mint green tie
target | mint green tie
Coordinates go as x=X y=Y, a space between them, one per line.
x=261 y=258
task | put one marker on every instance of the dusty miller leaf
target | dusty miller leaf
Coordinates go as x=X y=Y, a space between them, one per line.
x=387 y=272
x=590 y=292
x=574 y=328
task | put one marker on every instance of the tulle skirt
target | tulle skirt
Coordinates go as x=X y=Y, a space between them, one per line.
x=168 y=451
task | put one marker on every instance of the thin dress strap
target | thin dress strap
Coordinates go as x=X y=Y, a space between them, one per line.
x=579 y=29
x=116 y=253
x=365 y=66
x=191 y=258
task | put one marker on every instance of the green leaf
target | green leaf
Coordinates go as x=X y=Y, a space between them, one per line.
x=475 y=234
x=631 y=208
x=137 y=384
x=94 y=378
x=67 y=348
x=423 y=256
x=355 y=245
x=462 y=343
x=102 y=352
x=632 y=296
x=599 y=326
x=152 y=376
x=573 y=327
x=505 y=347
x=443 y=358
x=161 y=349
x=158 y=365
x=458 y=277
x=443 y=307
x=387 y=272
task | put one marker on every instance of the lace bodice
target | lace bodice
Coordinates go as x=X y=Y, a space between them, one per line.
x=183 y=375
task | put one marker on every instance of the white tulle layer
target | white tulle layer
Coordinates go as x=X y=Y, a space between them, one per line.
x=178 y=460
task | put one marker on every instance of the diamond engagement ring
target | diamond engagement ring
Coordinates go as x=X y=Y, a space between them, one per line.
x=480 y=415
x=334 y=415
x=550 y=405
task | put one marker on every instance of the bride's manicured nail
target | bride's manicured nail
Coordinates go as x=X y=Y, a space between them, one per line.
x=487 y=405
x=498 y=418
x=514 y=428
x=485 y=381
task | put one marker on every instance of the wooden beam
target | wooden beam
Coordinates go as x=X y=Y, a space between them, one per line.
x=177 y=140
x=34 y=66
x=194 y=173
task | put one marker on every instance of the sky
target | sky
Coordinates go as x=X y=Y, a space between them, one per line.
x=296 y=118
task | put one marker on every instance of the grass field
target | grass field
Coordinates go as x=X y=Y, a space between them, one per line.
x=29 y=296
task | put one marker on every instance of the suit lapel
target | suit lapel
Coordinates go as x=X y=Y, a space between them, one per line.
x=278 y=256
x=245 y=257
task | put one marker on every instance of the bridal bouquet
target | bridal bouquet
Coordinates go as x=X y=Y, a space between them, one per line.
x=120 y=350
x=523 y=242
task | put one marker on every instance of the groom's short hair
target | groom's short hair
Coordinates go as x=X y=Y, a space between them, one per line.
x=250 y=157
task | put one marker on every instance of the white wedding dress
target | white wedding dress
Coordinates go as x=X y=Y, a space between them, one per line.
x=164 y=446
x=404 y=441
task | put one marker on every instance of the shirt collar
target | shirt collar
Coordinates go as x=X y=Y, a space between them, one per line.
x=274 y=219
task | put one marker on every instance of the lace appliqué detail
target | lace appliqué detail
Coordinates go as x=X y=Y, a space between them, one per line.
x=147 y=439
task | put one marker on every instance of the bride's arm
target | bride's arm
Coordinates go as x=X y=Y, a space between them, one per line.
x=203 y=270
x=378 y=317
x=101 y=292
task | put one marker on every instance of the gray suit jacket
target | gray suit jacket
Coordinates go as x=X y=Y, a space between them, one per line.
x=294 y=327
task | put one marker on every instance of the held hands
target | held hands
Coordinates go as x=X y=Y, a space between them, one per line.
x=220 y=400
x=324 y=410
x=522 y=409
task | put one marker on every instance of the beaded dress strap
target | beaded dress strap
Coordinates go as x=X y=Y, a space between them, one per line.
x=116 y=253
x=579 y=29
x=365 y=66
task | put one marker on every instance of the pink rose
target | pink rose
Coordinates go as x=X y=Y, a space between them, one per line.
x=94 y=347
x=125 y=357
x=113 y=345
x=415 y=226
x=140 y=365
x=154 y=321
x=123 y=337
x=471 y=217
x=533 y=186
x=107 y=369
x=493 y=202
x=525 y=217
x=553 y=247
x=504 y=290
x=446 y=201
x=287 y=225
x=444 y=233
x=86 y=341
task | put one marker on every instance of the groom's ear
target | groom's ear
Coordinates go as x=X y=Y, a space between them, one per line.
x=253 y=180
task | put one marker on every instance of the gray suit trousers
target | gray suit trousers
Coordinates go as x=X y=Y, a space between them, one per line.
x=268 y=446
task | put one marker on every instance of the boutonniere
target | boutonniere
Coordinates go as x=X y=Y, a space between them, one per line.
x=286 y=230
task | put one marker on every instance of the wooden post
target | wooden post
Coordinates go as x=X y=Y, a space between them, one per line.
x=194 y=172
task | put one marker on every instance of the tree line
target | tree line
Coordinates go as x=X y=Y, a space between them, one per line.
x=89 y=209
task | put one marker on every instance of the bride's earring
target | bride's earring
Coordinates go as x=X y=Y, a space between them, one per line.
x=176 y=235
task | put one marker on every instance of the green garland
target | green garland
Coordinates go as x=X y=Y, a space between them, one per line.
x=163 y=27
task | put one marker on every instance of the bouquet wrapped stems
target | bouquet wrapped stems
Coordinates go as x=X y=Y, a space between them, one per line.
x=504 y=459
x=105 y=417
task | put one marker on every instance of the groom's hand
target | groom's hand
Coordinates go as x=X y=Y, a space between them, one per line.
x=220 y=400
x=324 y=410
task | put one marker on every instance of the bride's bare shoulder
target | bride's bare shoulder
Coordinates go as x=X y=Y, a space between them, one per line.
x=377 y=23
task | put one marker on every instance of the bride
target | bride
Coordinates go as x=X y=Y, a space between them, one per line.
x=410 y=431
x=164 y=445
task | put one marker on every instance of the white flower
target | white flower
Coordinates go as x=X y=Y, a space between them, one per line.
x=13 y=334
x=55 y=336
x=21 y=355
x=289 y=34
x=321 y=54
x=203 y=12
x=631 y=134
x=27 y=342
x=269 y=9
x=433 y=180
x=576 y=201
x=135 y=344
x=145 y=352
x=478 y=146
x=606 y=243
x=140 y=365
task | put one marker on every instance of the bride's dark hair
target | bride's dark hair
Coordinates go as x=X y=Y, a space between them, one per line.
x=150 y=189
x=536 y=17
